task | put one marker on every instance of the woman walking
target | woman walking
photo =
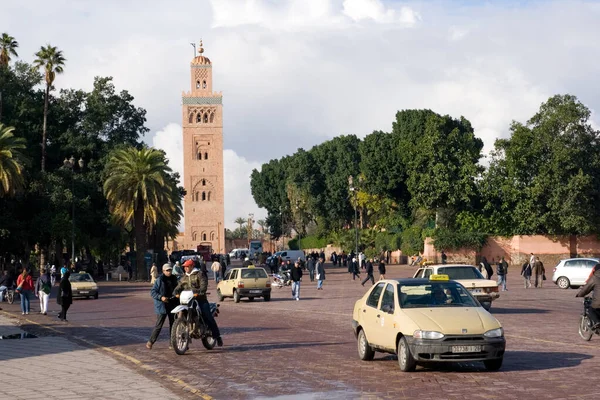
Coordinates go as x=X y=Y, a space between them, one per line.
x=381 y=268
x=43 y=285
x=65 y=295
x=153 y=273
x=25 y=287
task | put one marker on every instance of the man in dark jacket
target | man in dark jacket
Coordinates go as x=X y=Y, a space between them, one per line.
x=311 y=268
x=369 y=268
x=296 y=277
x=320 y=272
x=161 y=292
x=593 y=285
x=197 y=281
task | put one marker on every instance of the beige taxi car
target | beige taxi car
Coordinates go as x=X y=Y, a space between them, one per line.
x=247 y=282
x=426 y=321
x=83 y=285
x=484 y=290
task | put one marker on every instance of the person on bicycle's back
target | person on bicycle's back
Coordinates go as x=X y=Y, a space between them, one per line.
x=593 y=284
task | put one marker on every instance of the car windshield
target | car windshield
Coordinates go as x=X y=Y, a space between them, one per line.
x=435 y=294
x=80 y=278
x=466 y=272
x=249 y=273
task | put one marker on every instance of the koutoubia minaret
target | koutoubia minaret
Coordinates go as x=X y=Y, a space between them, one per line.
x=203 y=158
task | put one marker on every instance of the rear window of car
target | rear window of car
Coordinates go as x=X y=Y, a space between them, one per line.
x=250 y=273
x=460 y=272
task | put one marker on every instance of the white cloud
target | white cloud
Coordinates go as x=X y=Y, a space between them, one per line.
x=375 y=10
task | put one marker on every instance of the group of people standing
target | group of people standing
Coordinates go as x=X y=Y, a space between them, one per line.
x=533 y=267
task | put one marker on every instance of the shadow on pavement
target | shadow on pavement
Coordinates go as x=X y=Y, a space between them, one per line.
x=275 y=346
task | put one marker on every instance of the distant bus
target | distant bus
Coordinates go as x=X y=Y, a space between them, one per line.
x=255 y=248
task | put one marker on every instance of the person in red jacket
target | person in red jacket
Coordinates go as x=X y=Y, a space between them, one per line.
x=25 y=288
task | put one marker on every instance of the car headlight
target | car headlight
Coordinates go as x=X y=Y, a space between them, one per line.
x=418 y=334
x=499 y=332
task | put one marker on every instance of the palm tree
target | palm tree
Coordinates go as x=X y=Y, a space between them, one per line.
x=262 y=224
x=139 y=189
x=8 y=48
x=53 y=61
x=240 y=221
x=11 y=161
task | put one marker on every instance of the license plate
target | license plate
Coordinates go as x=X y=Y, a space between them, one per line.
x=256 y=291
x=466 y=349
x=83 y=292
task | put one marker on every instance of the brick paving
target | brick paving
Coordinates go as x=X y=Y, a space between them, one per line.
x=305 y=349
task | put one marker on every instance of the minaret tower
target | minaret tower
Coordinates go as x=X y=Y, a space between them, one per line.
x=203 y=159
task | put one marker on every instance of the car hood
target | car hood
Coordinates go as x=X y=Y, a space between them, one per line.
x=477 y=283
x=453 y=320
x=83 y=285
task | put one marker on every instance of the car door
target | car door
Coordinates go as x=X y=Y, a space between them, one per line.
x=371 y=315
x=575 y=270
x=585 y=270
x=387 y=308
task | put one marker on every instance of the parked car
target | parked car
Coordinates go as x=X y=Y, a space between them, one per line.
x=247 y=282
x=573 y=272
x=484 y=290
x=292 y=255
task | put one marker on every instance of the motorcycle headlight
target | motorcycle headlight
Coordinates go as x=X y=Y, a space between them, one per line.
x=494 y=333
x=427 y=335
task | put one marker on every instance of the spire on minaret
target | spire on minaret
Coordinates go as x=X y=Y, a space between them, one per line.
x=201 y=50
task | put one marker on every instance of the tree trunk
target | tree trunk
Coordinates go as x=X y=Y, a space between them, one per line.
x=139 y=269
x=44 y=127
x=0 y=106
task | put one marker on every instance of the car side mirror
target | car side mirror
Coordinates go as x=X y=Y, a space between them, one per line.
x=387 y=309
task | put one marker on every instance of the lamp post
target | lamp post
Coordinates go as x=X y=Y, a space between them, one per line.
x=353 y=190
x=70 y=163
x=299 y=229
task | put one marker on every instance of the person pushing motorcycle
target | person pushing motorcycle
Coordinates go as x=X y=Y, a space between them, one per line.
x=196 y=281
x=593 y=284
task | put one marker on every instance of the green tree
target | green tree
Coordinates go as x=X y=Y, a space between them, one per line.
x=8 y=48
x=11 y=162
x=138 y=188
x=240 y=221
x=52 y=61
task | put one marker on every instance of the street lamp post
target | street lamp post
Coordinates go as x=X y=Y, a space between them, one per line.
x=298 y=229
x=353 y=190
x=70 y=163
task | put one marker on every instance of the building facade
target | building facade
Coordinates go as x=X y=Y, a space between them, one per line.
x=203 y=159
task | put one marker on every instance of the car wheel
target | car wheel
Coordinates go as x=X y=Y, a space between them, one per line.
x=493 y=365
x=96 y=296
x=405 y=359
x=250 y=298
x=267 y=297
x=219 y=295
x=236 y=296
x=563 y=282
x=365 y=352
x=585 y=331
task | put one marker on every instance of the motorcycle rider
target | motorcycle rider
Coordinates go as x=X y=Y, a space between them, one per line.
x=196 y=281
x=593 y=284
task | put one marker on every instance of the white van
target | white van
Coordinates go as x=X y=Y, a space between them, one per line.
x=292 y=255
x=237 y=253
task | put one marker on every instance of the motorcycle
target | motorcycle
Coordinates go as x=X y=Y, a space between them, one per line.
x=189 y=324
x=585 y=324
x=10 y=295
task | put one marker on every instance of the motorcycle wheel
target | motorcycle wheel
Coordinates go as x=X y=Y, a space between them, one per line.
x=209 y=342
x=10 y=297
x=584 y=328
x=180 y=336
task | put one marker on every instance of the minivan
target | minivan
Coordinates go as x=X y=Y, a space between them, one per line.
x=573 y=272
x=292 y=255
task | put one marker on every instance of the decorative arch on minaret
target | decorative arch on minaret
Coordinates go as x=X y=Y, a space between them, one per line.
x=203 y=190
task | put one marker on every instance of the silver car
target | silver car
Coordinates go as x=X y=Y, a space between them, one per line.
x=573 y=272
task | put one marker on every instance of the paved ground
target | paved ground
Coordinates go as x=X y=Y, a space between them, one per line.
x=287 y=349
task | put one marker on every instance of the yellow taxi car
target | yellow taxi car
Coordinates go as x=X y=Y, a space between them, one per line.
x=83 y=285
x=247 y=282
x=484 y=290
x=425 y=321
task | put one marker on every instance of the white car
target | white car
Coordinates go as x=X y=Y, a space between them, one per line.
x=484 y=290
x=573 y=272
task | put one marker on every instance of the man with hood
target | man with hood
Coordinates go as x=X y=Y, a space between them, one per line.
x=593 y=284
x=196 y=281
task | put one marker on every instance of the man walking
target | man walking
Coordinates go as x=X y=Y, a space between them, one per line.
x=381 y=269
x=539 y=271
x=355 y=270
x=320 y=273
x=526 y=273
x=311 y=268
x=161 y=292
x=296 y=276
x=369 y=268
x=502 y=271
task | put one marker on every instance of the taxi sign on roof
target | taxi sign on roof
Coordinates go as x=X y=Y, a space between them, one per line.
x=439 y=277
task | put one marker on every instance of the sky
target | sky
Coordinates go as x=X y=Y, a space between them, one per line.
x=295 y=73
